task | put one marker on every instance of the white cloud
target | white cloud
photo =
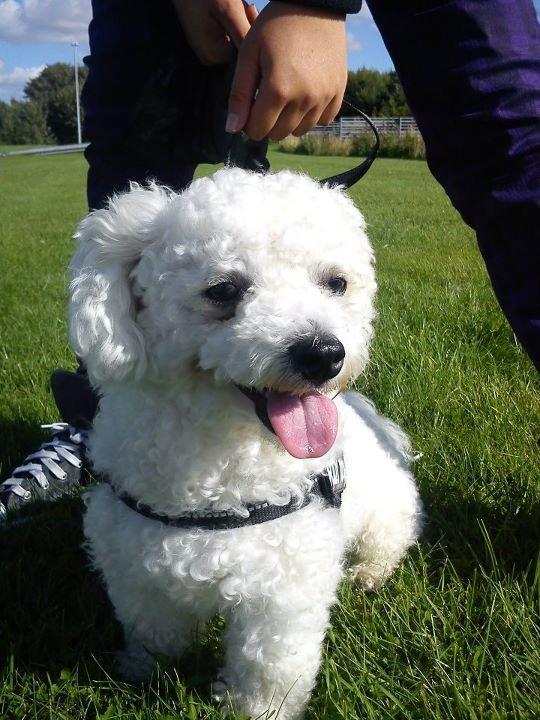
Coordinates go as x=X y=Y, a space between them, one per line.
x=44 y=20
x=353 y=43
x=12 y=83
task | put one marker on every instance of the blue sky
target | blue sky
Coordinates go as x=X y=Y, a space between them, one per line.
x=34 y=33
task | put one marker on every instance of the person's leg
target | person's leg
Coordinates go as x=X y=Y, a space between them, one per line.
x=136 y=110
x=471 y=73
x=133 y=42
x=136 y=53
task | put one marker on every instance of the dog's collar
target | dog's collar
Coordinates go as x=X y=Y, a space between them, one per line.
x=328 y=484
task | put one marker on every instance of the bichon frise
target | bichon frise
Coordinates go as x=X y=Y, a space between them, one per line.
x=221 y=327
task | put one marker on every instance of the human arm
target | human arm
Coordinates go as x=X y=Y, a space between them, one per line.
x=292 y=68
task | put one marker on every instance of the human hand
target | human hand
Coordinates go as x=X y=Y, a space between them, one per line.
x=213 y=27
x=294 y=60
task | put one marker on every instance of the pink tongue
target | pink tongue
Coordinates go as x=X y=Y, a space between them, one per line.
x=307 y=425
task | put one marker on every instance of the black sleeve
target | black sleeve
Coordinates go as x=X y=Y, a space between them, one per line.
x=339 y=6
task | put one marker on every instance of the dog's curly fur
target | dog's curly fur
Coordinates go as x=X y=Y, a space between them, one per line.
x=174 y=431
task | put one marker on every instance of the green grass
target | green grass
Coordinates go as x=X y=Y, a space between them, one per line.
x=454 y=634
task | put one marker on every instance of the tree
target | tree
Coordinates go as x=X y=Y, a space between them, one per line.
x=376 y=93
x=4 y=110
x=24 y=123
x=393 y=101
x=54 y=90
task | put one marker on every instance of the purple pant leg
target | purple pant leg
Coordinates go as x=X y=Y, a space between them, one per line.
x=471 y=73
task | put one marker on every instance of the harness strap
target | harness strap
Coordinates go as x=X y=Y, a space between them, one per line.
x=329 y=484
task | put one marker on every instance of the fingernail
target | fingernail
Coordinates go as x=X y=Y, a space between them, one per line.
x=231 y=126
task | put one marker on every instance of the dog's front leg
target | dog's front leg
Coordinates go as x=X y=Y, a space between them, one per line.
x=169 y=636
x=382 y=516
x=272 y=659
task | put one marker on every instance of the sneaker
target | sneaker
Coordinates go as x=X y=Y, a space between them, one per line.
x=54 y=471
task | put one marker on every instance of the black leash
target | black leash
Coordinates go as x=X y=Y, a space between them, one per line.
x=251 y=155
x=352 y=176
x=248 y=154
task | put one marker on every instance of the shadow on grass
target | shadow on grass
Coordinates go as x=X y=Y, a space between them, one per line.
x=54 y=610
x=19 y=438
x=56 y=614
x=471 y=535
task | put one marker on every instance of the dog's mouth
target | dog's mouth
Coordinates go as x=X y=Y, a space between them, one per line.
x=305 y=424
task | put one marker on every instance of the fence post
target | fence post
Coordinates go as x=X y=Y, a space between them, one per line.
x=340 y=127
x=400 y=126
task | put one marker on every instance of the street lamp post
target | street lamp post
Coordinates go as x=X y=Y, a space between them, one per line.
x=75 y=46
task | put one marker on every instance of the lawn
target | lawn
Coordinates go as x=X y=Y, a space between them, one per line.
x=454 y=634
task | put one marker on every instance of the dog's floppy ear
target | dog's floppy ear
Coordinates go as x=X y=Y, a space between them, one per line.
x=103 y=331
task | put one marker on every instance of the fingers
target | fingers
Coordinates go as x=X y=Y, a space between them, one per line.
x=232 y=16
x=290 y=117
x=308 y=122
x=277 y=113
x=267 y=109
x=213 y=27
x=274 y=115
x=244 y=86
x=297 y=60
x=331 y=110
x=219 y=52
x=251 y=12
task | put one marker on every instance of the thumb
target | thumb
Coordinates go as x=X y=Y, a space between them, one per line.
x=244 y=86
x=251 y=12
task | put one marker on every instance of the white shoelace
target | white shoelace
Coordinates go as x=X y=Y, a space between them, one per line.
x=49 y=455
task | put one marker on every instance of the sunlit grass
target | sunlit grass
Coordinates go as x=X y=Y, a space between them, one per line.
x=454 y=634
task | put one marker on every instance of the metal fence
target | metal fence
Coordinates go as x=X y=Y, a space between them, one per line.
x=347 y=127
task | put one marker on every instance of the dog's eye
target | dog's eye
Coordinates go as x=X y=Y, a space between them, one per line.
x=223 y=292
x=337 y=285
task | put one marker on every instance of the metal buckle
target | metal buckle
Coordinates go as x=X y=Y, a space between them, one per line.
x=332 y=483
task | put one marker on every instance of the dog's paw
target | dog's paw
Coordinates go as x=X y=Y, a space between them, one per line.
x=232 y=705
x=219 y=690
x=135 y=664
x=370 y=576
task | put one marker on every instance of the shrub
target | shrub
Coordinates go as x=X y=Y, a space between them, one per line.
x=289 y=144
x=409 y=146
x=316 y=144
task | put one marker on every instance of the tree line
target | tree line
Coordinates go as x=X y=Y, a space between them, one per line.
x=378 y=94
x=47 y=114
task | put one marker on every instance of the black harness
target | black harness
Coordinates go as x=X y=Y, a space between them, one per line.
x=329 y=485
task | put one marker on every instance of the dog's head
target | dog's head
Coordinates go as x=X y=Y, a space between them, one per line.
x=263 y=281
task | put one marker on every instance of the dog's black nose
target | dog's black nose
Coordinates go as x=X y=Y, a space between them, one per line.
x=317 y=358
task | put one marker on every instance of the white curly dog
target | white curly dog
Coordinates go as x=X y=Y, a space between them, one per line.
x=220 y=326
